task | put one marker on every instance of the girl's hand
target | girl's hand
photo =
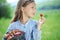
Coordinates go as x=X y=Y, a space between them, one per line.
x=41 y=22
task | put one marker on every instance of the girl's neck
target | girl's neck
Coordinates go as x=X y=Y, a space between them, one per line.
x=24 y=20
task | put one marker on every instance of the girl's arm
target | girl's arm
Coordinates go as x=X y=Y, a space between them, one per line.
x=36 y=34
x=37 y=29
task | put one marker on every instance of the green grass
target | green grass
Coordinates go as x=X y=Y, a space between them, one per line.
x=50 y=30
x=4 y=23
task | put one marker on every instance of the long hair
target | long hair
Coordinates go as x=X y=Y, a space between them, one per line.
x=18 y=12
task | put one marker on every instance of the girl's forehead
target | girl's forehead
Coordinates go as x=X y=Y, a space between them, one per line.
x=32 y=4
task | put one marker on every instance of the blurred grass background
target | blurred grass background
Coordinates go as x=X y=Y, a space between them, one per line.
x=50 y=10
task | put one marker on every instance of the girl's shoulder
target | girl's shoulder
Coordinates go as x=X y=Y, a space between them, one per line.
x=34 y=24
x=14 y=23
x=34 y=21
x=12 y=26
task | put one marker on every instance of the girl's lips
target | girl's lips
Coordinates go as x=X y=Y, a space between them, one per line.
x=33 y=14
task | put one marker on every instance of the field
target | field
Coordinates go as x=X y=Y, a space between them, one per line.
x=50 y=29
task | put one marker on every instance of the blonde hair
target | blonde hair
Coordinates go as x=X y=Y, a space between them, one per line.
x=18 y=12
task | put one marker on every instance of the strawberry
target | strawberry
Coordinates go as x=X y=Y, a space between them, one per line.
x=41 y=15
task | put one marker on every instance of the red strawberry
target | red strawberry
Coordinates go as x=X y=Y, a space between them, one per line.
x=41 y=15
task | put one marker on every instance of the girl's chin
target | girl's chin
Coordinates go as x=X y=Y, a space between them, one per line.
x=32 y=16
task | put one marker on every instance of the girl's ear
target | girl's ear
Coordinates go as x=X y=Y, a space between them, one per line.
x=22 y=9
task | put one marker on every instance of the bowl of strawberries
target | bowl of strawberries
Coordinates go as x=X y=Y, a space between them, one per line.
x=15 y=35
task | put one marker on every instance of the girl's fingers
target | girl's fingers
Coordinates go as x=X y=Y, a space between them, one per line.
x=42 y=19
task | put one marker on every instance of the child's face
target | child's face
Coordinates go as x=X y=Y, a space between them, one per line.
x=30 y=10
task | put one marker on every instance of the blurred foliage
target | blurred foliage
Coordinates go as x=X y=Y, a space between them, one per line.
x=5 y=9
x=4 y=1
x=53 y=4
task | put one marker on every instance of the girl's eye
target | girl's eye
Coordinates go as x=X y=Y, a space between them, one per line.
x=34 y=7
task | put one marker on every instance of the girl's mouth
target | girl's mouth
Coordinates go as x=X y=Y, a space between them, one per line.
x=33 y=13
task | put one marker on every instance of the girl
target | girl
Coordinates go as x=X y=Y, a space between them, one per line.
x=22 y=20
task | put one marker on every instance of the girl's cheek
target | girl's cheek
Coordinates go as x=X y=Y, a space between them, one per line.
x=34 y=10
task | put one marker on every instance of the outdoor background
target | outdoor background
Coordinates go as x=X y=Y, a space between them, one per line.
x=49 y=8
